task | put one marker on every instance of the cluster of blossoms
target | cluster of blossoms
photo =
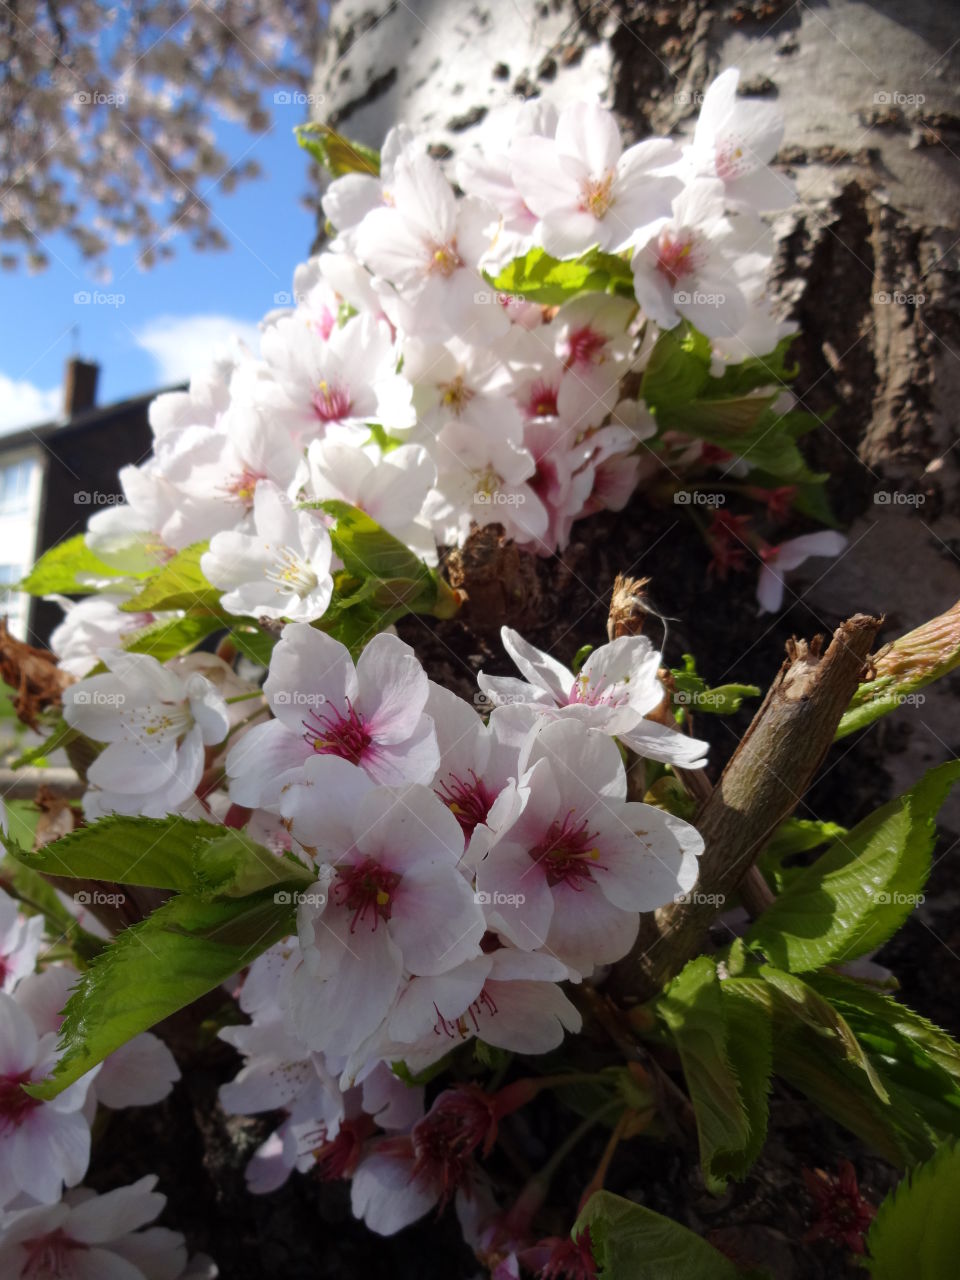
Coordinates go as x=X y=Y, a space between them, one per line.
x=465 y=867
x=50 y=1227
x=402 y=382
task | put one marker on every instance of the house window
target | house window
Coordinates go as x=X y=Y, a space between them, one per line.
x=15 y=481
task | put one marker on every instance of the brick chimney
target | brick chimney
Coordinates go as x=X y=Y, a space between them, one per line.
x=79 y=387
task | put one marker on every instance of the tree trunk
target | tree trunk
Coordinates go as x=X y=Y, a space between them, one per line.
x=867 y=260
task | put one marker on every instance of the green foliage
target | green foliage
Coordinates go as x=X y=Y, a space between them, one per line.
x=172 y=637
x=186 y=948
x=692 y=691
x=199 y=858
x=70 y=568
x=234 y=899
x=792 y=837
x=382 y=579
x=862 y=888
x=630 y=1242
x=723 y=1039
x=539 y=278
x=180 y=584
x=912 y=662
x=336 y=154
x=916 y=1232
x=725 y=411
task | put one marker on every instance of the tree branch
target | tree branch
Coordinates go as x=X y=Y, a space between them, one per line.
x=763 y=782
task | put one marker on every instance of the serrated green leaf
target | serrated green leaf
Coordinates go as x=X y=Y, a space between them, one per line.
x=902 y=669
x=708 y=1029
x=862 y=889
x=918 y=1062
x=691 y=690
x=815 y=1050
x=179 y=953
x=677 y=371
x=916 y=1232
x=335 y=153
x=180 y=584
x=630 y=1242
x=57 y=570
x=794 y=836
x=171 y=637
x=540 y=278
x=201 y=858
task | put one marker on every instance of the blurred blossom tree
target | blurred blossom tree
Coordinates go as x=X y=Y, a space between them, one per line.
x=108 y=112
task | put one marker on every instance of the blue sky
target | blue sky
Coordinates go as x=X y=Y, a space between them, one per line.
x=170 y=316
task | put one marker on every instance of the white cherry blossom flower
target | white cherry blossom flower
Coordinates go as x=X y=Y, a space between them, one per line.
x=281 y=570
x=155 y=725
x=585 y=189
x=779 y=560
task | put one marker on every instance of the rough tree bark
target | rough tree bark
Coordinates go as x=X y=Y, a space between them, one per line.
x=867 y=259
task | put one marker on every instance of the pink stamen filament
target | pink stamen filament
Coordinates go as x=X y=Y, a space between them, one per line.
x=567 y=853
x=335 y=734
x=366 y=888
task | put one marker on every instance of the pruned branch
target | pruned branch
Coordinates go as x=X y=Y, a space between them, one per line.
x=763 y=782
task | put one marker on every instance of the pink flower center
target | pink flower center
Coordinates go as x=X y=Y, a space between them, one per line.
x=241 y=485
x=49 y=1256
x=324 y=325
x=675 y=255
x=456 y=395
x=469 y=802
x=337 y=1157
x=445 y=1027
x=331 y=402
x=598 y=693
x=585 y=346
x=443 y=1141
x=366 y=889
x=444 y=259
x=15 y=1105
x=542 y=400
x=570 y=1260
x=596 y=195
x=567 y=853
x=334 y=734
x=731 y=160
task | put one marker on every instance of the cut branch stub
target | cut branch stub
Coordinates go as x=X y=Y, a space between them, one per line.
x=763 y=782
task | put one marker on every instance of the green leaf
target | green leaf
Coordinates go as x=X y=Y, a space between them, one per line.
x=724 y=1045
x=335 y=153
x=630 y=1242
x=37 y=897
x=183 y=950
x=815 y=1050
x=254 y=642
x=862 y=889
x=60 y=735
x=918 y=1062
x=69 y=568
x=758 y=371
x=171 y=637
x=792 y=837
x=904 y=668
x=180 y=584
x=677 y=371
x=200 y=858
x=691 y=690
x=916 y=1232
x=540 y=278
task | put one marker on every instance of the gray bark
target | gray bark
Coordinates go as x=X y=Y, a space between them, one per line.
x=867 y=260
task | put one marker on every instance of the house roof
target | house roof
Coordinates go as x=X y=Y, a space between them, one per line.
x=98 y=416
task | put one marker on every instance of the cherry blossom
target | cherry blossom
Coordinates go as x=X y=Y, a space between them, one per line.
x=370 y=714
x=21 y=941
x=779 y=560
x=583 y=189
x=42 y=1144
x=573 y=870
x=616 y=690
x=684 y=265
x=282 y=570
x=155 y=724
x=390 y=898
x=735 y=139
x=94 y=1237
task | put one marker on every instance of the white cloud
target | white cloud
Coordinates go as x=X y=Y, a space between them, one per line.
x=24 y=405
x=182 y=345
